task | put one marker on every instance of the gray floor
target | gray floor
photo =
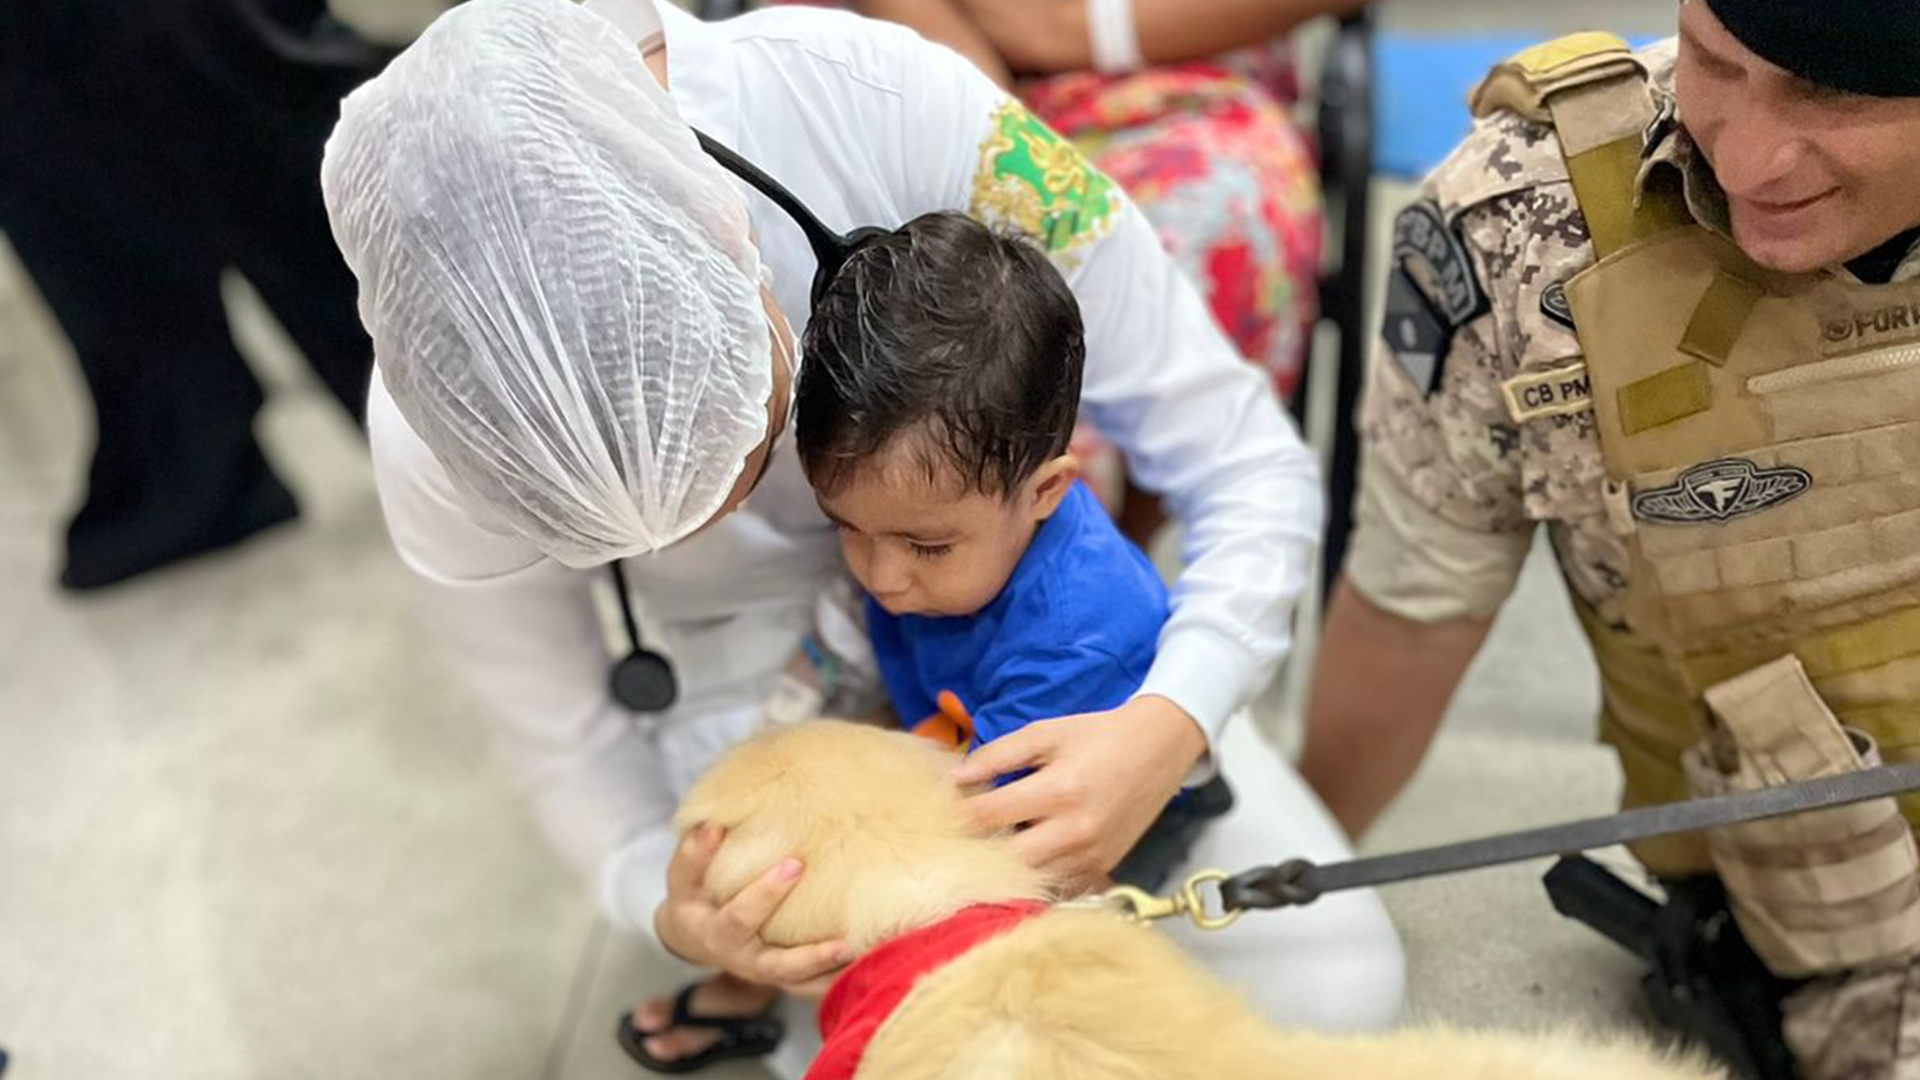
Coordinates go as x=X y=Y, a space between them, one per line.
x=247 y=829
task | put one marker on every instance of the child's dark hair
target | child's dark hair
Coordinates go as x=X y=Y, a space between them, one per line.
x=950 y=330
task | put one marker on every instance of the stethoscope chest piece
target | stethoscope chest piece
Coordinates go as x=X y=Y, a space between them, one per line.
x=643 y=681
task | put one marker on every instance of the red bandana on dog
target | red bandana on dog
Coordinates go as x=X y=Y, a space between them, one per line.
x=863 y=998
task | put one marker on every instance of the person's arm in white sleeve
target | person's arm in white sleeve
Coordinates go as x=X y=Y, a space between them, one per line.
x=521 y=631
x=1198 y=425
x=1202 y=428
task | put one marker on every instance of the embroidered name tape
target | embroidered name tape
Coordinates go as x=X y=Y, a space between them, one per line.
x=1562 y=391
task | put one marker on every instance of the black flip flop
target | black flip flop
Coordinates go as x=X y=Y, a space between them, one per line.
x=740 y=1036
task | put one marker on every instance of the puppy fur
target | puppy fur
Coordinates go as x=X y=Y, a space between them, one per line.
x=1068 y=995
x=874 y=818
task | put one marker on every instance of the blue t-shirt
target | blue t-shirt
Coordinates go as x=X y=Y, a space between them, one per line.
x=1073 y=631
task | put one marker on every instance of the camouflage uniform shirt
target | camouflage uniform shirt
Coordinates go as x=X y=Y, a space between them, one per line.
x=1453 y=486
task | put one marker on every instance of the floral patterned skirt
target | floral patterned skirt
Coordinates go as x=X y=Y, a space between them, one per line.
x=1214 y=160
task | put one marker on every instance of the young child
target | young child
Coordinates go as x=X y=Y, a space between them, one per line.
x=937 y=397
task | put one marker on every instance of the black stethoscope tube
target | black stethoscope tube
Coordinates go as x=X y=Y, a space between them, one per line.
x=644 y=680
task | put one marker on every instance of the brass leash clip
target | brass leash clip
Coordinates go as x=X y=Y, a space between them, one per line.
x=1141 y=906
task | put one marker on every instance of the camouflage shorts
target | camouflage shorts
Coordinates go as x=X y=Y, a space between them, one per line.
x=1863 y=1025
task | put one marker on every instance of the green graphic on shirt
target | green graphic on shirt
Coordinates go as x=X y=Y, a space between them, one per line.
x=1033 y=180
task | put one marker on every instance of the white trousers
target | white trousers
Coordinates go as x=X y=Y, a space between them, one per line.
x=1334 y=965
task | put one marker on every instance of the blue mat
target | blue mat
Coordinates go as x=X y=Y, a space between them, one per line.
x=1420 y=102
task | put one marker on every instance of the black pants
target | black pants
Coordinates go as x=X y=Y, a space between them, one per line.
x=144 y=148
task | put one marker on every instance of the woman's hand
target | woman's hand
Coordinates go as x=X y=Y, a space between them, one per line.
x=726 y=937
x=1100 y=779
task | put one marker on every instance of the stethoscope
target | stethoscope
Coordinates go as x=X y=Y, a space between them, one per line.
x=644 y=680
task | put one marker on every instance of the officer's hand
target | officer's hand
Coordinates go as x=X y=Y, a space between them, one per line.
x=726 y=937
x=1100 y=779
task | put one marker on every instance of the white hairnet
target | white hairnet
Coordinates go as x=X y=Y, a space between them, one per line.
x=561 y=288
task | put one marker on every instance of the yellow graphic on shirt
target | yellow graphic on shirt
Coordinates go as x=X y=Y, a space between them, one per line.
x=1031 y=179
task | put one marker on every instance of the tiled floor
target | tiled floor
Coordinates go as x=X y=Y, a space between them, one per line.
x=247 y=828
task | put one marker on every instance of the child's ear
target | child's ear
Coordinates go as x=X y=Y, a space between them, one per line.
x=1050 y=483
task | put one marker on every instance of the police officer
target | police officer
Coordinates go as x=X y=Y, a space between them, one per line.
x=1668 y=303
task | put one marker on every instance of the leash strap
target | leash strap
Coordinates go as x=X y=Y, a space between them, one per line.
x=1299 y=881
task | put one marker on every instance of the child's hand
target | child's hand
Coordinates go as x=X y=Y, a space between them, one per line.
x=727 y=937
x=1100 y=779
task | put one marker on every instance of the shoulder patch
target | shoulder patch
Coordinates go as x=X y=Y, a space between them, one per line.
x=1554 y=305
x=1431 y=294
x=1031 y=179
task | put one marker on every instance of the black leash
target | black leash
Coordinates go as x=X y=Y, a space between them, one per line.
x=1300 y=881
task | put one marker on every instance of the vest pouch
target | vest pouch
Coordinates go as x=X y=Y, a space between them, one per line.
x=1815 y=892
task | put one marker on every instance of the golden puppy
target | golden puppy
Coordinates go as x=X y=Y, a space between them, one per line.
x=965 y=975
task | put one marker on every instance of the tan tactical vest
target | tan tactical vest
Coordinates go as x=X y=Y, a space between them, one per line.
x=1761 y=436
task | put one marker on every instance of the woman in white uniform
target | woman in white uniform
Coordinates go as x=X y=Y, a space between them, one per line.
x=583 y=330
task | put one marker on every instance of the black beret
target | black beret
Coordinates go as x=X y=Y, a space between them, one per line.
x=1859 y=46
